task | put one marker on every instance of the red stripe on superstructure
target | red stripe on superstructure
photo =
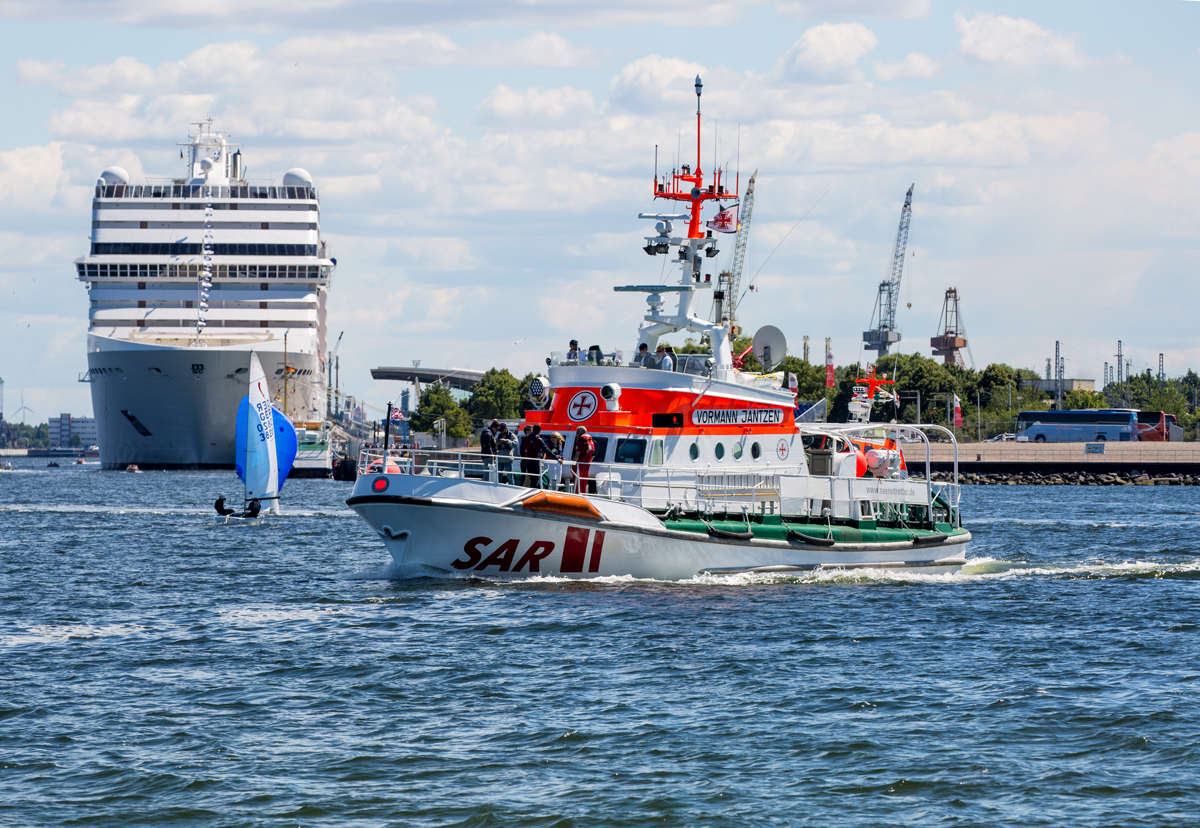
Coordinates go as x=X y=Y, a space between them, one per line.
x=574 y=550
x=597 y=548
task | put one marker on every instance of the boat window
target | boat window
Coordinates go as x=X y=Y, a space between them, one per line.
x=630 y=451
x=694 y=451
x=737 y=451
x=656 y=453
x=601 y=448
x=719 y=451
x=755 y=451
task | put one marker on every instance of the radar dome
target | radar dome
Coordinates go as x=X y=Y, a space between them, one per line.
x=297 y=177
x=115 y=175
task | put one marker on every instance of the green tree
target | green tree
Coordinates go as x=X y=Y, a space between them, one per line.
x=810 y=379
x=76 y=440
x=496 y=397
x=436 y=403
x=1080 y=399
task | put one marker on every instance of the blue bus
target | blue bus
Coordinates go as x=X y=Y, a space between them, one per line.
x=1083 y=426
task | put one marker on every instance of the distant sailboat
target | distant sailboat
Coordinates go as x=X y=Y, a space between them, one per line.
x=265 y=444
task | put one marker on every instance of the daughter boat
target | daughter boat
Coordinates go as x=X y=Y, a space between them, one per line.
x=701 y=469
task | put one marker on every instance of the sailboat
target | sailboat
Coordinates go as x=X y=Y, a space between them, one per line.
x=265 y=447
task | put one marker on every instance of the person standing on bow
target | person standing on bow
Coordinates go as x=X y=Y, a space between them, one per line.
x=583 y=452
x=487 y=449
x=506 y=445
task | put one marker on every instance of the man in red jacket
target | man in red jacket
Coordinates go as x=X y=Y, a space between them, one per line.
x=583 y=453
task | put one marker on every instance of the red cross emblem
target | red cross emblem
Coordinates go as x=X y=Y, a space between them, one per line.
x=582 y=406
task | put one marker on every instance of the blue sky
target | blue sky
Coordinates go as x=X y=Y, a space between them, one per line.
x=482 y=164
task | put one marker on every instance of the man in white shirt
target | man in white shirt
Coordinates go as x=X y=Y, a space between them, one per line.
x=665 y=363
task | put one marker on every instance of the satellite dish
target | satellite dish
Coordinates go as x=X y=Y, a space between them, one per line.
x=770 y=346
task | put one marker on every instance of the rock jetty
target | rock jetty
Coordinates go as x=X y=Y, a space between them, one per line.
x=1082 y=478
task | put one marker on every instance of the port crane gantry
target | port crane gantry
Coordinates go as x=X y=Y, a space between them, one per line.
x=883 y=333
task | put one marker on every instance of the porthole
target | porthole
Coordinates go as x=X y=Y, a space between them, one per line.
x=719 y=451
x=694 y=451
x=737 y=451
x=755 y=451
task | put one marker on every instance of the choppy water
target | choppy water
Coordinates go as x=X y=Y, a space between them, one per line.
x=158 y=669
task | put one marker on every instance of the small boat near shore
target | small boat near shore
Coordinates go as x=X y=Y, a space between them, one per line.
x=686 y=469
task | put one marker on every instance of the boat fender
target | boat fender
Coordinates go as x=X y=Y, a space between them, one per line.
x=925 y=540
x=725 y=534
x=800 y=537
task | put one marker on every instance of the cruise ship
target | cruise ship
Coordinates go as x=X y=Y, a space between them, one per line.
x=186 y=277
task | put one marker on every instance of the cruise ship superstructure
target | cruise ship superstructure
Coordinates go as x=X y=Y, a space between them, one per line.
x=186 y=277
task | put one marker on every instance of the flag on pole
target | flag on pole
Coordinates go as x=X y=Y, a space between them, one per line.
x=828 y=365
x=725 y=221
x=397 y=414
x=793 y=384
x=957 y=412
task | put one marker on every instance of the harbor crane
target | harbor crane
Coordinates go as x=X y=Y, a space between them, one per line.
x=883 y=333
x=950 y=343
x=725 y=297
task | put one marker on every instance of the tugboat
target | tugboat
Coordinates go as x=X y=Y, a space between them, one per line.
x=698 y=468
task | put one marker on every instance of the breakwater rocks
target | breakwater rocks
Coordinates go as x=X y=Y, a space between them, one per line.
x=1130 y=478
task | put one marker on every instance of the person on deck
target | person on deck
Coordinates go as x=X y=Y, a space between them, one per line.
x=506 y=447
x=534 y=449
x=555 y=469
x=643 y=358
x=573 y=351
x=583 y=452
x=665 y=363
x=487 y=448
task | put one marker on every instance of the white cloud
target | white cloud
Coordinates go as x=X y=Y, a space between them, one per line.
x=894 y=9
x=915 y=66
x=646 y=84
x=829 y=52
x=342 y=15
x=1015 y=41
x=538 y=106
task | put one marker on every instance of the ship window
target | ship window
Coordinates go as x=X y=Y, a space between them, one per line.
x=737 y=451
x=755 y=451
x=291 y=271
x=694 y=451
x=93 y=270
x=656 y=453
x=719 y=451
x=630 y=451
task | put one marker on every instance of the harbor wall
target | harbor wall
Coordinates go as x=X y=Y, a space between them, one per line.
x=1057 y=458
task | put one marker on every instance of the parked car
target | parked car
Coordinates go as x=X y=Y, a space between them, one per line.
x=1001 y=438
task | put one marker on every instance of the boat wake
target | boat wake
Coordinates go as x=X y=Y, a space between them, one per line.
x=976 y=570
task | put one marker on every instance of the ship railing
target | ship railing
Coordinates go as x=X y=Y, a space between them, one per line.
x=700 y=365
x=590 y=356
x=705 y=491
x=200 y=191
x=942 y=497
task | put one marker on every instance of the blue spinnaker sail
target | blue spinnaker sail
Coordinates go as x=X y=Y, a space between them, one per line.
x=286 y=441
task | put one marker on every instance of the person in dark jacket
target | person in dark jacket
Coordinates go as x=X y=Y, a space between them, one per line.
x=487 y=448
x=533 y=449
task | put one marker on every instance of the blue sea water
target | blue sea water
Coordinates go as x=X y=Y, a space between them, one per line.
x=157 y=668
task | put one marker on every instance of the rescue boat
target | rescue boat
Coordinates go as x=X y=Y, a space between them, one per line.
x=698 y=470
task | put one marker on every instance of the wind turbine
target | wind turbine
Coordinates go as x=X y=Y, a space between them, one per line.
x=24 y=408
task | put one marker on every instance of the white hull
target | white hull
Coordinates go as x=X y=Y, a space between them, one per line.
x=464 y=527
x=167 y=407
